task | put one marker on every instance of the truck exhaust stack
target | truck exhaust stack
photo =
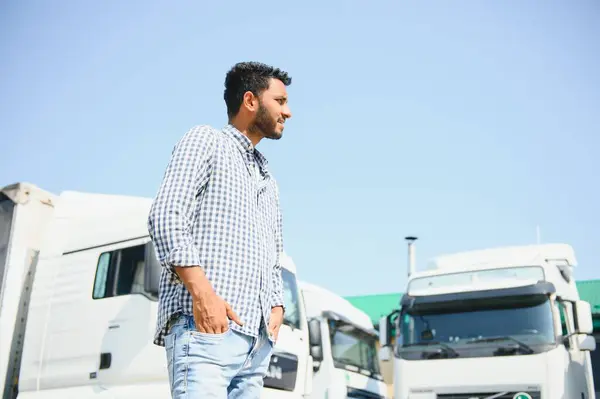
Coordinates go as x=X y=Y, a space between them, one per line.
x=411 y=254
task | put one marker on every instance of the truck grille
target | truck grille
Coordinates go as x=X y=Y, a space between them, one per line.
x=494 y=395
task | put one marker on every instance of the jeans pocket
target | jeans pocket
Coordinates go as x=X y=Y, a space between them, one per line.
x=216 y=337
x=191 y=327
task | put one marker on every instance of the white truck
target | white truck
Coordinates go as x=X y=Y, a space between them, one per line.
x=343 y=347
x=502 y=323
x=78 y=296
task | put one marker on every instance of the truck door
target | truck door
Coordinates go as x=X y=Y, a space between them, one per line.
x=129 y=364
x=65 y=329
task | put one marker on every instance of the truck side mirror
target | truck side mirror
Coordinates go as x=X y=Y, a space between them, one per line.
x=385 y=331
x=152 y=270
x=384 y=353
x=315 y=341
x=583 y=314
x=586 y=343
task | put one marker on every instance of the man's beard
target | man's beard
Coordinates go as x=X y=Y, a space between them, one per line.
x=264 y=125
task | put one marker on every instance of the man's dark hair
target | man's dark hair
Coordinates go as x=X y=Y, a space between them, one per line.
x=249 y=76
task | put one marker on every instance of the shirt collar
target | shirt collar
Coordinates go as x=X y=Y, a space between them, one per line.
x=243 y=143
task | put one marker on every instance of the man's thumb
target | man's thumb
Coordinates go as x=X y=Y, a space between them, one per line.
x=232 y=315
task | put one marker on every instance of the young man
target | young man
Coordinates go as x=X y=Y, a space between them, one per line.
x=217 y=229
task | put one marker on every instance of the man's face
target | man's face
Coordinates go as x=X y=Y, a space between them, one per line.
x=272 y=112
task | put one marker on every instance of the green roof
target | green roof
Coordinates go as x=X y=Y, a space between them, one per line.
x=589 y=290
x=376 y=306
x=380 y=305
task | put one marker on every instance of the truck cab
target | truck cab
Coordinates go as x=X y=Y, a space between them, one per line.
x=79 y=302
x=496 y=323
x=290 y=370
x=343 y=346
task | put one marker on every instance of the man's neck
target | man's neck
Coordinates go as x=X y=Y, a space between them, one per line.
x=243 y=128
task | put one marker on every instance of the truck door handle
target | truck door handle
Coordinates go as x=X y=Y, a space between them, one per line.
x=105 y=360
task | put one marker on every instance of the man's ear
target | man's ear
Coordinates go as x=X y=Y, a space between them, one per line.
x=250 y=101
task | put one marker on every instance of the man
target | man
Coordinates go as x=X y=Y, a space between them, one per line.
x=217 y=229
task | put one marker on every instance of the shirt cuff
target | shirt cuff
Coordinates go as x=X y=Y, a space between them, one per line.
x=183 y=257
x=277 y=300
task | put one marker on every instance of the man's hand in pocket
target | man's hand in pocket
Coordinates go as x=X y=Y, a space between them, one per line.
x=275 y=322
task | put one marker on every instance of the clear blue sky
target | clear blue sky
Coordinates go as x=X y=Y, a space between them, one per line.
x=464 y=123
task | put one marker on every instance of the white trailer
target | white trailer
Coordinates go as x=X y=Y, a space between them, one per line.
x=78 y=296
x=502 y=323
x=343 y=347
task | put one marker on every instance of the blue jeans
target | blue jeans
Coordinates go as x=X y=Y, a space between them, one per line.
x=230 y=365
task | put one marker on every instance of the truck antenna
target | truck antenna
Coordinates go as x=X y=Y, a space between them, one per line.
x=411 y=254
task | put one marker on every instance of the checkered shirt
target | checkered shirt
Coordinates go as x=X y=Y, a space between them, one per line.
x=218 y=208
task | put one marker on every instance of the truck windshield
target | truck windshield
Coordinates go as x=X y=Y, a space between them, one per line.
x=291 y=316
x=7 y=207
x=513 y=326
x=352 y=347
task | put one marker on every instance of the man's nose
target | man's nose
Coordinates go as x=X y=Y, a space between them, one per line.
x=287 y=113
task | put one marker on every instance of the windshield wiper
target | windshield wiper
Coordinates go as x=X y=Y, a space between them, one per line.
x=521 y=345
x=445 y=347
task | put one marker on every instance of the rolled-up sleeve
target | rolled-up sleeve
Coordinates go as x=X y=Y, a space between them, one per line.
x=277 y=299
x=171 y=216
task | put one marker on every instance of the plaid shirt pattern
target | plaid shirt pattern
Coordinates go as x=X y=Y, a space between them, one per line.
x=218 y=208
